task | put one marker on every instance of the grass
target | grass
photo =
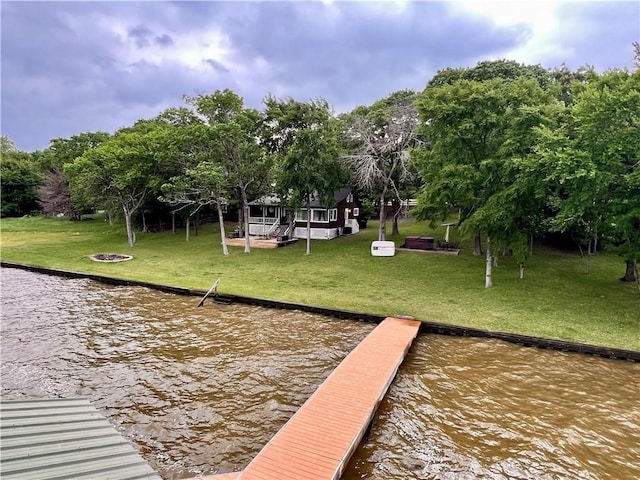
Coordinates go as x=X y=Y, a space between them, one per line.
x=558 y=299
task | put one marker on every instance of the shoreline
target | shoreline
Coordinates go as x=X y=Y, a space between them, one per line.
x=426 y=326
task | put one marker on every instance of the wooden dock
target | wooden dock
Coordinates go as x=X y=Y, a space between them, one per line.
x=255 y=242
x=318 y=441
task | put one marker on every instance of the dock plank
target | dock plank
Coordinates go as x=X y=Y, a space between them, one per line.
x=317 y=442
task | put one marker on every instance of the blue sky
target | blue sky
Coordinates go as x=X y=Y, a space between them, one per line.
x=72 y=67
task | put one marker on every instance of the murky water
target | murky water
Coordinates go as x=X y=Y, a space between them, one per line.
x=202 y=390
x=464 y=408
x=199 y=390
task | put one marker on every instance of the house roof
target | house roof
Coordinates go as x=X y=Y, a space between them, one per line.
x=267 y=200
x=274 y=200
x=64 y=438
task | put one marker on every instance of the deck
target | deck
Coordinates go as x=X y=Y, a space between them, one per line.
x=256 y=242
x=318 y=441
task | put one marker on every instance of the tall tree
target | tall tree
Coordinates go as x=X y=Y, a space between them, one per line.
x=201 y=179
x=20 y=179
x=65 y=150
x=205 y=184
x=490 y=69
x=591 y=165
x=378 y=140
x=236 y=132
x=123 y=169
x=304 y=136
x=54 y=197
x=479 y=132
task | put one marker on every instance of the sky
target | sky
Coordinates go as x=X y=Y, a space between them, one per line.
x=73 y=67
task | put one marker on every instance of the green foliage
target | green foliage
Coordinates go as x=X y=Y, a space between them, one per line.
x=479 y=133
x=204 y=184
x=304 y=138
x=489 y=70
x=522 y=160
x=19 y=180
x=591 y=163
x=65 y=150
x=235 y=136
x=124 y=170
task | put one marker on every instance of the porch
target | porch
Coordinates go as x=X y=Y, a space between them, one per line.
x=259 y=242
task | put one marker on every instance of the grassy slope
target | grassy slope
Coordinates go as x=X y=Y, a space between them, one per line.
x=557 y=299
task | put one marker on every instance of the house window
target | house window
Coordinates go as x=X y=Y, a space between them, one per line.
x=319 y=216
x=333 y=214
x=255 y=210
x=301 y=215
x=356 y=211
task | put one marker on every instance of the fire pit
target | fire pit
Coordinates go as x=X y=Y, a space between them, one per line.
x=110 y=257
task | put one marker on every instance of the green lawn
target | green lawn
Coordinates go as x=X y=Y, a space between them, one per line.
x=556 y=300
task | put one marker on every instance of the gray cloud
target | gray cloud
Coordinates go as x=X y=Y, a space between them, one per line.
x=63 y=69
x=602 y=35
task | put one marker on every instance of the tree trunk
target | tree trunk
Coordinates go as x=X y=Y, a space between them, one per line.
x=631 y=273
x=308 y=225
x=187 y=231
x=382 y=228
x=223 y=235
x=488 y=283
x=396 y=213
x=521 y=270
x=240 y=222
x=291 y=214
x=477 y=245
x=131 y=236
x=531 y=245
x=245 y=212
x=110 y=217
x=196 y=221
x=589 y=257
x=144 y=223
x=173 y=223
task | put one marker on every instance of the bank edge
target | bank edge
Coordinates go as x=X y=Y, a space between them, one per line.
x=426 y=326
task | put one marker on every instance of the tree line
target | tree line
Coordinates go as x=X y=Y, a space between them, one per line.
x=517 y=151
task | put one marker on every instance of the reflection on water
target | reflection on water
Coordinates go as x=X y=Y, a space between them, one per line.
x=202 y=390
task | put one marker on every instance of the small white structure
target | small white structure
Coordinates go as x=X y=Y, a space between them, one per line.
x=380 y=248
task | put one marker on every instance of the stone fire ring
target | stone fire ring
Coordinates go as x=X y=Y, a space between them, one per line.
x=110 y=257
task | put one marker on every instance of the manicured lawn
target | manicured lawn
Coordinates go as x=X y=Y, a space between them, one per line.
x=556 y=300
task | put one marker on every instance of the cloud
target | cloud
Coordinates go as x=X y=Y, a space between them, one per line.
x=71 y=67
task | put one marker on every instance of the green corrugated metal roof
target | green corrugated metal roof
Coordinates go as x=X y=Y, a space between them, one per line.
x=64 y=438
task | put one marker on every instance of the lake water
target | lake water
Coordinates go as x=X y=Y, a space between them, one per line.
x=201 y=390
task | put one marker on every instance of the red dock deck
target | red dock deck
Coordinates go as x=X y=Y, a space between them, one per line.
x=317 y=442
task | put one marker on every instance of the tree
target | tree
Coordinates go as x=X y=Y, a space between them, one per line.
x=305 y=139
x=491 y=69
x=123 y=169
x=65 y=150
x=591 y=166
x=205 y=184
x=478 y=133
x=19 y=178
x=379 y=138
x=236 y=133
x=54 y=197
x=202 y=180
